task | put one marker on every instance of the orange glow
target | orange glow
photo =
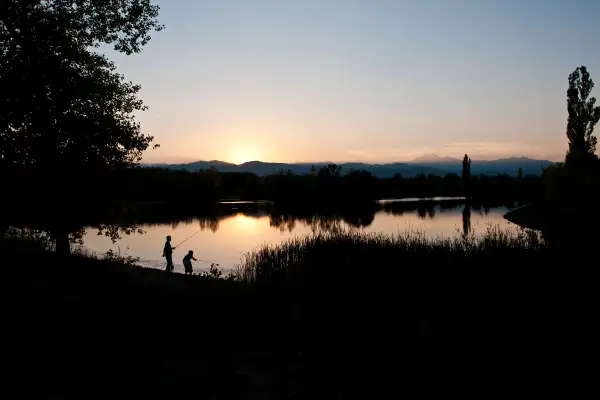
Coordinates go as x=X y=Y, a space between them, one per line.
x=245 y=224
x=243 y=153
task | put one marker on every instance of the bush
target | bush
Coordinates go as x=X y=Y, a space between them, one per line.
x=25 y=240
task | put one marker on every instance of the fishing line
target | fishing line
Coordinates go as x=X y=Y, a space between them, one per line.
x=208 y=262
x=162 y=261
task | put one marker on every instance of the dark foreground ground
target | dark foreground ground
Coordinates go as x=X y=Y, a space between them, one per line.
x=499 y=329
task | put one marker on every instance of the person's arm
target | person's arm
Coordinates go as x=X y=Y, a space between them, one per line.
x=194 y=259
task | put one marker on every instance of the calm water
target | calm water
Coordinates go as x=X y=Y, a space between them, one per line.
x=225 y=238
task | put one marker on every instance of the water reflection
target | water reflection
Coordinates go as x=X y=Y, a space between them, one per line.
x=247 y=215
x=226 y=232
x=328 y=222
x=466 y=219
x=364 y=218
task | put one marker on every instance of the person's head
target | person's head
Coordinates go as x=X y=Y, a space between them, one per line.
x=168 y=238
x=191 y=252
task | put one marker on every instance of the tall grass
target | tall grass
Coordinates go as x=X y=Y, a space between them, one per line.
x=353 y=251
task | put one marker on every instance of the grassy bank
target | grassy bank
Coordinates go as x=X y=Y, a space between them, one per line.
x=423 y=317
x=330 y=316
x=346 y=254
x=82 y=326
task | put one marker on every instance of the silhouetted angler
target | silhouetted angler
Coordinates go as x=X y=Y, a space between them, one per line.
x=187 y=262
x=168 y=254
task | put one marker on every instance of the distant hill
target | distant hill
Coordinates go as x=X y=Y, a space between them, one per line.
x=509 y=166
x=434 y=159
x=428 y=164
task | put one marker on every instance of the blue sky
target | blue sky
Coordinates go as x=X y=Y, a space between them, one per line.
x=362 y=80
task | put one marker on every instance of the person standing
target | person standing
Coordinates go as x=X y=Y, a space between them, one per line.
x=168 y=254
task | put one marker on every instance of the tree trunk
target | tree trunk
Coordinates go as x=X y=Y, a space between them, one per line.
x=63 y=247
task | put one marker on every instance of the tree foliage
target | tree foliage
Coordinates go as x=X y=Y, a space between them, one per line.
x=583 y=116
x=64 y=107
x=63 y=102
x=571 y=190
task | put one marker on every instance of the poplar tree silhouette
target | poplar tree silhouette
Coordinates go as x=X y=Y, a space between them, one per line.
x=466 y=175
x=583 y=117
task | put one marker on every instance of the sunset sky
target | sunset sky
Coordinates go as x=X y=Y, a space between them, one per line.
x=362 y=80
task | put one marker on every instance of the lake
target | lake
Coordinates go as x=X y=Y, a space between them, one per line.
x=241 y=227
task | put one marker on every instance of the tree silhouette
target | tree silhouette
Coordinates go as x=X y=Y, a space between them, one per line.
x=63 y=103
x=583 y=116
x=331 y=171
x=64 y=107
x=572 y=189
x=466 y=174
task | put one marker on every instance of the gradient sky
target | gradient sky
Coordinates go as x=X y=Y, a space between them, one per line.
x=362 y=80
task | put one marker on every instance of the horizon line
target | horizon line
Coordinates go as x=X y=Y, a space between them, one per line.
x=413 y=161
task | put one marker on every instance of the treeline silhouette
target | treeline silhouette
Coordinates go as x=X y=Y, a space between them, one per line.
x=328 y=185
x=325 y=186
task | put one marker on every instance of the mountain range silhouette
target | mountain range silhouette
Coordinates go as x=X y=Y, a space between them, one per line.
x=427 y=164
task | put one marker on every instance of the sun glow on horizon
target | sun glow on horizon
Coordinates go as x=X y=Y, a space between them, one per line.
x=244 y=153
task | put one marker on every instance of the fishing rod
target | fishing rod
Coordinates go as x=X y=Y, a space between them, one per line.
x=189 y=237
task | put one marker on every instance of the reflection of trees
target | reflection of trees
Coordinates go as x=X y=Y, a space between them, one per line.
x=316 y=222
x=282 y=222
x=444 y=207
x=160 y=215
x=324 y=223
x=70 y=228
x=426 y=210
x=422 y=212
x=360 y=220
x=175 y=224
x=329 y=221
x=134 y=219
x=209 y=223
x=466 y=218
x=396 y=213
x=423 y=209
x=205 y=223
